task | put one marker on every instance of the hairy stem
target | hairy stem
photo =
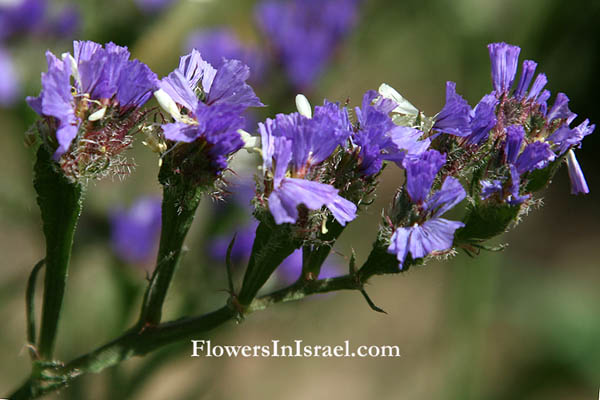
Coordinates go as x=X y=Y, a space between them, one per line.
x=178 y=210
x=59 y=200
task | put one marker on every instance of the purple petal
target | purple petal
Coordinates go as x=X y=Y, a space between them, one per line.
x=560 y=109
x=136 y=84
x=483 y=119
x=434 y=235
x=181 y=132
x=292 y=192
x=488 y=188
x=535 y=156
x=399 y=244
x=578 y=183
x=451 y=193
x=454 y=118
x=504 y=58
x=420 y=173
x=538 y=85
x=527 y=73
x=515 y=198
x=178 y=87
x=229 y=86
x=514 y=139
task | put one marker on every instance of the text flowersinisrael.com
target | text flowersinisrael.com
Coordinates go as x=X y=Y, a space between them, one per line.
x=204 y=348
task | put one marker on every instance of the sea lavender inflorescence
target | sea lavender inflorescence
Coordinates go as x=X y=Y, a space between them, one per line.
x=91 y=103
x=504 y=149
x=207 y=107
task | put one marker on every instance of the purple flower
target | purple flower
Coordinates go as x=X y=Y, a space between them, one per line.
x=509 y=193
x=578 y=183
x=216 y=119
x=380 y=139
x=9 y=81
x=304 y=33
x=504 y=58
x=420 y=173
x=103 y=77
x=135 y=232
x=454 y=118
x=296 y=144
x=535 y=156
x=222 y=43
x=514 y=139
x=527 y=72
x=560 y=109
x=537 y=87
x=483 y=119
x=432 y=233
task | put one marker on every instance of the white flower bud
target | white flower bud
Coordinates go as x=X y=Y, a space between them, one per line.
x=167 y=104
x=303 y=106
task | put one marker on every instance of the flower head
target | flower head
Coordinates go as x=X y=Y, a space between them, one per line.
x=430 y=233
x=293 y=146
x=207 y=105
x=92 y=117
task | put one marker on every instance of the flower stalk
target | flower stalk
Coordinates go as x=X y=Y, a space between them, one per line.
x=60 y=202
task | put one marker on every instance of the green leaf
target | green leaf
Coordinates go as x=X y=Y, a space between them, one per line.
x=485 y=221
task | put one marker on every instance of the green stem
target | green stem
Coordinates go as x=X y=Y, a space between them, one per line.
x=29 y=305
x=178 y=209
x=59 y=200
x=138 y=342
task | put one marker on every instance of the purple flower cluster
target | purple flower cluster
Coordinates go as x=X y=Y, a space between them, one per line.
x=293 y=147
x=107 y=84
x=304 y=33
x=207 y=104
x=427 y=232
x=135 y=231
x=531 y=134
x=380 y=139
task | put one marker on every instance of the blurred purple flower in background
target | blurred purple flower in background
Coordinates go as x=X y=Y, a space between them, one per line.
x=153 y=6
x=135 y=231
x=9 y=80
x=216 y=44
x=21 y=16
x=305 y=33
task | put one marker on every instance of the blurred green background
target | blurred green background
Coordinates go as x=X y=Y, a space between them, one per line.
x=523 y=323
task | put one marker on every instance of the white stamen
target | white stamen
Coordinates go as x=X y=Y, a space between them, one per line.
x=303 y=106
x=97 y=115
